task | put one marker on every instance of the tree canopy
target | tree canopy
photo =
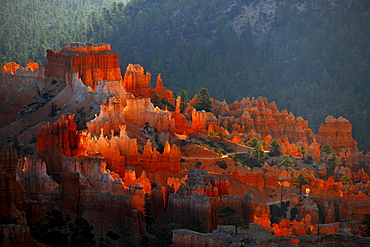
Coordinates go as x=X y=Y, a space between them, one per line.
x=299 y=181
x=229 y=216
x=203 y=100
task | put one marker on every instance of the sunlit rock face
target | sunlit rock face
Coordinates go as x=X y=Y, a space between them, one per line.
x=16 y=75
x=91 y=62
x=136 y=81
x=337 y=132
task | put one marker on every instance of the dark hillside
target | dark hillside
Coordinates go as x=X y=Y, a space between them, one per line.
x=29 y=27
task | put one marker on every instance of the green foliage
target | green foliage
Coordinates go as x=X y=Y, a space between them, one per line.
x=277 y=213
x=253 y=142
x=258 y=156
x=184 y=100
x=30 y=28
x=222 y=164
x=287 y=162
x=326 y=149
x=346 y=180
x=229 y=216
x=366 y=221
x=203 y=100
x=216 y=147
x=299 y=181
x=196 y=224
x=59 y=230
x=274 y=148
x=332 y=164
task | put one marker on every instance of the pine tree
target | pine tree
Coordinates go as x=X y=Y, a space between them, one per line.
x=287 y=162
x=229 y=214
x=148 y=211
x=184 y=100
x=258 y=156
x=274 y=148
x=299 y=181
x=253 y=142
x=203 y=101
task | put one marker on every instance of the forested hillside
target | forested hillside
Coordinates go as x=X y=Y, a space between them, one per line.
x=311 y=57
x=29 y=27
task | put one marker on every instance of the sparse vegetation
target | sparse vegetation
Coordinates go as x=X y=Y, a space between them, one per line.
x=222 y=164
x=346 y=180
x=299 y=181
x=274 y=148
x=287 y=162
x=229 y=216
x=326 y=148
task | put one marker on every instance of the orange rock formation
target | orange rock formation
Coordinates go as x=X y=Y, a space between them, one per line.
x=136 y=82
x=90 y=62
x=337 y=132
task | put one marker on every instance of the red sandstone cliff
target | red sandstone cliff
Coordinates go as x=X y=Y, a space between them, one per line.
x=337 y=132
x=91 y=63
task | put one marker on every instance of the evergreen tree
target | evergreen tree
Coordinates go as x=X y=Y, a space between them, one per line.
x=196 y=224
x=287 y=162
x=203 y=100
x=230 y=216
x=346 y=180
x=184 y=100
x=299 y=181
x=326 y=148
x=332 y=164
x=366 y=221
x=253 y=142
x=148 y=211
x=258 y=156
x=274 y=148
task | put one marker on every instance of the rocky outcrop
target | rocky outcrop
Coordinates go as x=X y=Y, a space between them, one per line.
x=188 y=238
x=59 y=139
x=91 y=62
x=33 y=176
x=264 y=118
x=15 y=75
x=12 y=195
x=109 y=120
x=141 y=112
x=337 y=132
x=160 y=92
x=13 y=228
x=203 y=196
x=136 y=82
